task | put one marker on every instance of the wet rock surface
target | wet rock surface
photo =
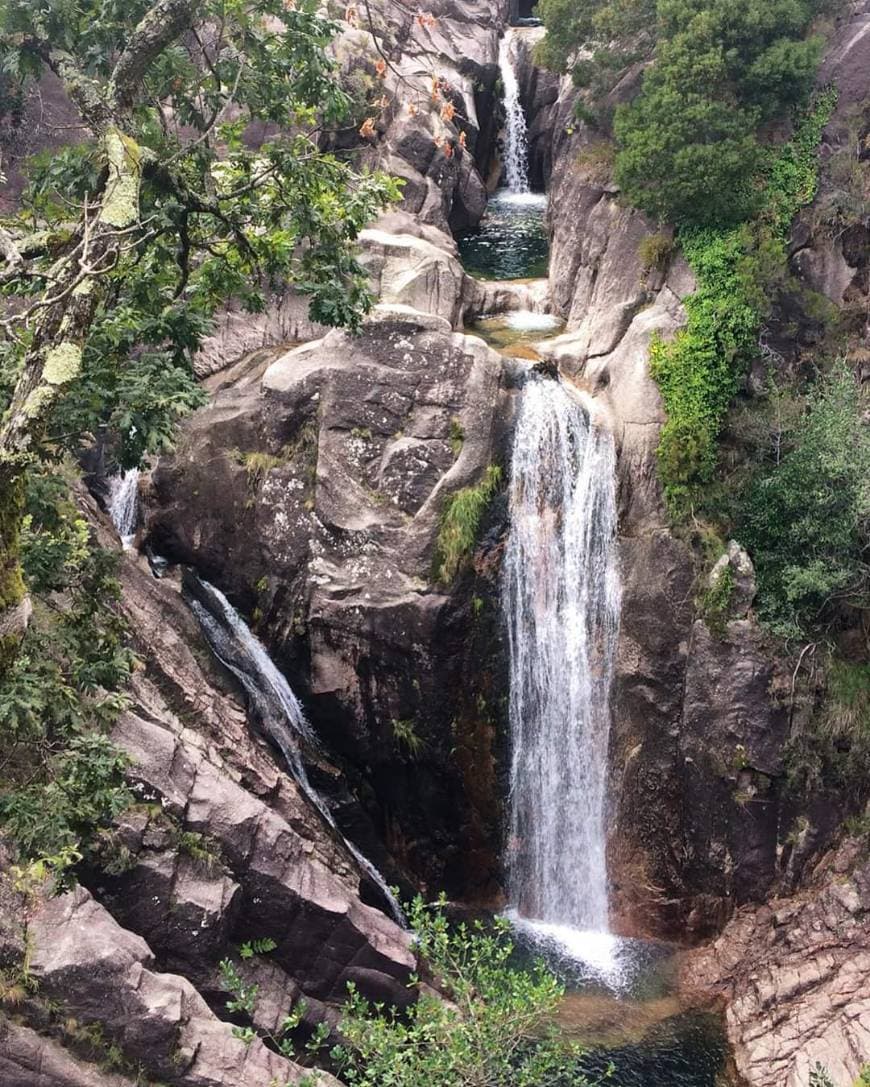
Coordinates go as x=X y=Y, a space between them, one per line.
x=317 y=499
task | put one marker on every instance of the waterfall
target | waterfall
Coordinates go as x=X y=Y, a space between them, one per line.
x=516 y=151
x=273 y=703
x=123 y=504
x=561 y=598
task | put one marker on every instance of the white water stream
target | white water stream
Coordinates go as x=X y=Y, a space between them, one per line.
x=516 y=152
x=561 y=597
x=123 y=504
x=275 y=705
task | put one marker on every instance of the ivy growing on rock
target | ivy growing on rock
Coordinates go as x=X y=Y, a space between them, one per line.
x=737 y=269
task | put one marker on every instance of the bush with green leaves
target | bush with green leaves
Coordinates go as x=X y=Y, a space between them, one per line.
x=688 y=145
x=805 y=520
x=737 y=270
x=595 y=39
x=490 y=1024
x=493 y=1027
x=61 y=778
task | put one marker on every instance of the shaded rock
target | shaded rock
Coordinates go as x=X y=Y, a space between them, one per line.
x=366 y=437
x=100 y=973
x=28 y=1059
x=273 y=885
x=731 y=753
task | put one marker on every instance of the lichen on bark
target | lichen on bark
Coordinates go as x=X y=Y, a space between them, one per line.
x=121 y=203
x=62 y=363
x=13 y=592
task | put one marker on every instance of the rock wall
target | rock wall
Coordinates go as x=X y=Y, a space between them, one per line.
x=793 y=976
x=314 y=499
x=219 y=848
x=699 y=732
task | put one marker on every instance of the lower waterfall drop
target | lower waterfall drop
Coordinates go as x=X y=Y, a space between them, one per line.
x=561 y=597
x=274 y=704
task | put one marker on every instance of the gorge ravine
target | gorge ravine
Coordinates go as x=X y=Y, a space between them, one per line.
x=310 y=491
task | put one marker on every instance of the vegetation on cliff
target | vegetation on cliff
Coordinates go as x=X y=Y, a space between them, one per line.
x=737 y=269
x=806 y=510
x=125 y=246
x=688 y=144
x=61 y=778
x=129 y=242
x=496 y=1027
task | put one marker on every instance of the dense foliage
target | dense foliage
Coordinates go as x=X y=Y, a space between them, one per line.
x=830 y=752
x=688 y=145
x=202 y=180
x=805 y=518
x=199 y=178
x=737 y=268
x=595 y=39
x=61 y=779
x=495 y=1029
x=491 y=1026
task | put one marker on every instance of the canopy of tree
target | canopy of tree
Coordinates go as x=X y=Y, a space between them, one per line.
x=128 y=242
x=687 y=145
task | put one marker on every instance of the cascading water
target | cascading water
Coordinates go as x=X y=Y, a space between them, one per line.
x=561 y=597
x=273 y=702
x=123 y=504
x=510 y=241
x=516 y=150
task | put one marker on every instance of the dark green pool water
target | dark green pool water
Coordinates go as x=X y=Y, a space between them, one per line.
x=622 y=1006
x=511 y=241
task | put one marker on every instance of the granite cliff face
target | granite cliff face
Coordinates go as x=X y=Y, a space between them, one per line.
x=333 y=541
x=792 y=975
x=699 y=724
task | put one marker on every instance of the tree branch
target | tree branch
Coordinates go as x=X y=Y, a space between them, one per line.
x=166 y=20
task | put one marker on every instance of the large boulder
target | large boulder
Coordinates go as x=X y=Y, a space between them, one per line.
x=267 y=882
x=315 y=501
x=100 y=974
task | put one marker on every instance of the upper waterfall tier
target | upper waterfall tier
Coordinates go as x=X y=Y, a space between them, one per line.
x=516 y=150
x=561 y=596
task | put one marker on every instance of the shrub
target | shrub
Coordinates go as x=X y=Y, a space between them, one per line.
x=492 y=1028
x=736 y=269
x=805 y=519
x=716 y=600
x=688 y=150
x=655 y=252
x=62 y=778
x=831 y=751
x=460 y=524
x=495 y=1027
